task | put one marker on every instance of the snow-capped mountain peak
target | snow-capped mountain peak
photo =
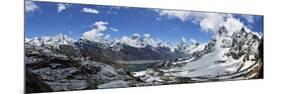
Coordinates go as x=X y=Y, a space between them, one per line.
x=139 y=41
x=183 y=45
x=51 y=40
x=228 y=55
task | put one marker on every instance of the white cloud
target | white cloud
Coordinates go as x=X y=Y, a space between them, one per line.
x=182 y=15
x=101 y=25
x=130 y=41
x=95 y=34
x=30 y=6
x=61 y=7
x=249 y=18
x=183 y=39
x=90 y=10
x=210 y=22
x=232 y=25
x=146 y=35
x=107 y=36
x=91 y=35
x=214 y=21
x=114 y=29
x=193 y=41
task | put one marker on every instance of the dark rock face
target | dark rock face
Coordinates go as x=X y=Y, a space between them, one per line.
x=261 y=56
x=34 y=84
x=244 y=43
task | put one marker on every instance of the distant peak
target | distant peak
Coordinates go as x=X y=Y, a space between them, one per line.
x=52 y=40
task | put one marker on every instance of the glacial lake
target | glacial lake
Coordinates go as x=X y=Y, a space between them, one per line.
x=139 y=65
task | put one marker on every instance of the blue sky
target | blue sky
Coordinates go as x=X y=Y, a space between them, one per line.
x=47 y=19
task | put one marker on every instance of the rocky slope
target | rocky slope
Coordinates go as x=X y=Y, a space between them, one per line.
x=53 y=65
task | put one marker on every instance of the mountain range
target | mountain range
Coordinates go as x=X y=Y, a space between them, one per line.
x=60 y=63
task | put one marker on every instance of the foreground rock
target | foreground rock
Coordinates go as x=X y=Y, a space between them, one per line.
x=49 y=69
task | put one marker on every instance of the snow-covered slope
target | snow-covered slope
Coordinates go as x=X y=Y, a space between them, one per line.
x=229 y=55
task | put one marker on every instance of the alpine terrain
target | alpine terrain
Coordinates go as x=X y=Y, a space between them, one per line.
x=60 y=63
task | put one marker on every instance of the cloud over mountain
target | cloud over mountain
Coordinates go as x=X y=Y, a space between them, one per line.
x=95 y=34
x=192 y=40
x=208 y=22
x=233 y=25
